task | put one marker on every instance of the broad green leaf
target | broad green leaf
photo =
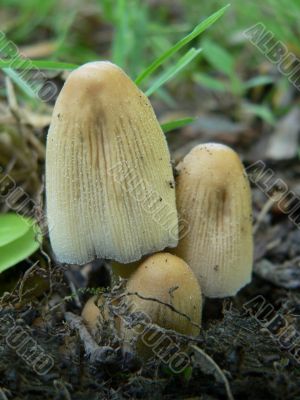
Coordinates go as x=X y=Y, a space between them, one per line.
x=172 y=71
x=12 y=227
x=178 y=123
x=19 y=238
x=19 y=250
x=184 y=41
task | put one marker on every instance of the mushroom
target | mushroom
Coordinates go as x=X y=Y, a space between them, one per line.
x=95 y=314
x=91 y=313
x=165 y=292
x=109 y=182
x=213 y=196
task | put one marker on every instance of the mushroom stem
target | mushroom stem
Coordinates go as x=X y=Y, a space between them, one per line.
x=123 y=270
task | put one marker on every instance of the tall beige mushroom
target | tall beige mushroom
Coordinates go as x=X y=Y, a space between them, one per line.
x=109 y=182
x=213 y=196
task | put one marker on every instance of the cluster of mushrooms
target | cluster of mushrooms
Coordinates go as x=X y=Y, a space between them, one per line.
x=111 y=194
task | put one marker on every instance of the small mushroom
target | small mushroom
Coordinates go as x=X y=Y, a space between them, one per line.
x=214 y=197
x=166 y=293
x=108 y=171
x=94 y=313
x=97 y=316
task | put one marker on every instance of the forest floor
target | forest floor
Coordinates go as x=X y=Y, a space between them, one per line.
x=249 y=346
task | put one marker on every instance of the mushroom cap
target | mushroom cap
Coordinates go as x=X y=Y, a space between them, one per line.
x=91 y=313
x=109 y=180
x=98 y=318
x=214 y=198
x=168 y=279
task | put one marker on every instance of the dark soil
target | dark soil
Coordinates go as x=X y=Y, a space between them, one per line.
x=249 y=345
x=257 y=352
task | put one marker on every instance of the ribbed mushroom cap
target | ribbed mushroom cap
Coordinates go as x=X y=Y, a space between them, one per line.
x=213 y=196
x=109 y=181
x=168 y=279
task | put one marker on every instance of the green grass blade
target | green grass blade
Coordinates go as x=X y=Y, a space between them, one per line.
x=174 y=49
x=172 y=71
x=258 y=81
x=37 y=64
x=119 y=42
x=260 y=110
x=20 y=82
x=178 y=123
x=218 y=57
x=63 y=31
x=210 y=82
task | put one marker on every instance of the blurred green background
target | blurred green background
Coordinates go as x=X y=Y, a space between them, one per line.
x=133 y=33
x=218 y=87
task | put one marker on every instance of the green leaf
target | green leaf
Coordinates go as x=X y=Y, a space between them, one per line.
x=184 y=41
x=17 y=247
x=120 y=36
x=172 y=71
x=178 y=123
x=31 y=90
x=261 y=111
x=258 y=81
x=221 y=60
x=36 y=64
x=187 y=373
x=12 y=227
x=210 y=82
x=22 y=83
x=218 y=57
